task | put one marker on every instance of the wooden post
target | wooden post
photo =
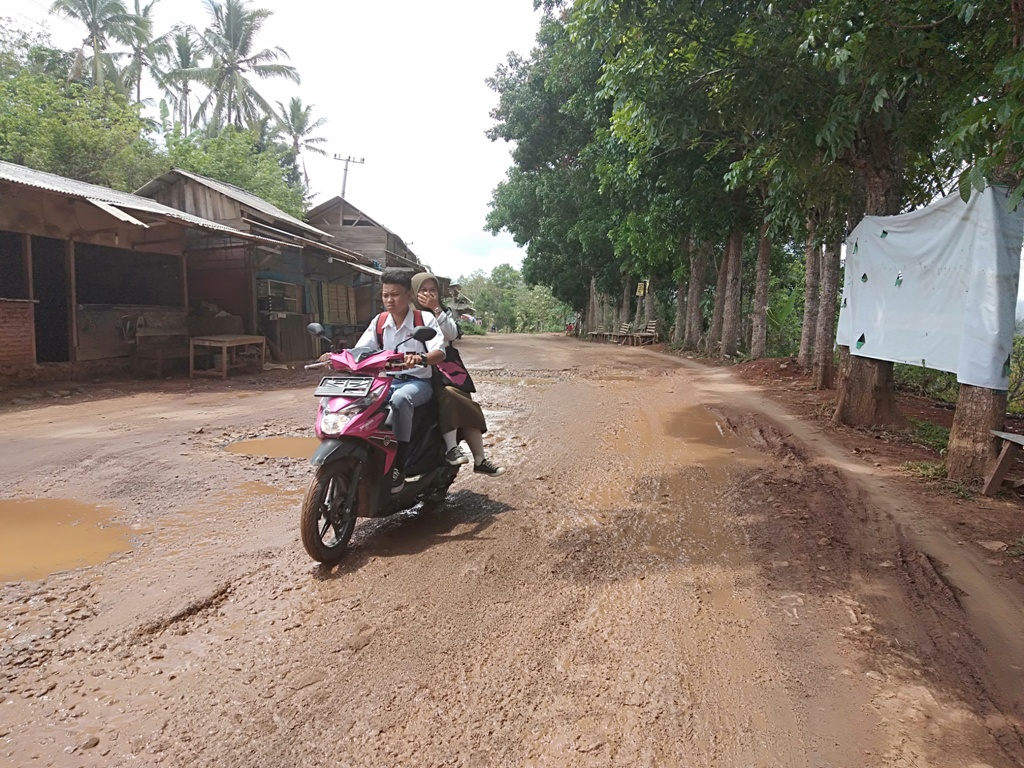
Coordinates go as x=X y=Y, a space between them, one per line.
x=73 y=324
x=184 y=284
x=26 y=248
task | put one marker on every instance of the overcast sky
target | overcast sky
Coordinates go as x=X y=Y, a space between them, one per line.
x=401 y=83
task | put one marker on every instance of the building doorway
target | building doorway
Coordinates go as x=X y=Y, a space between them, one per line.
x=53 y=300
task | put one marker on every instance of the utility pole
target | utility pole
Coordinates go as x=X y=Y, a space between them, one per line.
x=344 y=176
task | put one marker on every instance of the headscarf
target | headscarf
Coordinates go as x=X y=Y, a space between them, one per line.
x=418 y=280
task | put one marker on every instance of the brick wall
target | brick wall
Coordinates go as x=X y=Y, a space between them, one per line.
x=16 y=339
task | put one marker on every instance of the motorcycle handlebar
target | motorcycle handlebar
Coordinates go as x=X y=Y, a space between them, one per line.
x=311 y=366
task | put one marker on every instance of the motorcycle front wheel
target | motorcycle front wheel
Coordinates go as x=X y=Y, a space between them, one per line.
x=329 y=510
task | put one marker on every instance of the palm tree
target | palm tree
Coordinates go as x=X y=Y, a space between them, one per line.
x=230 y=42
x=294 y=122
x=106 y=20
x=180 y=57
x=146 y=50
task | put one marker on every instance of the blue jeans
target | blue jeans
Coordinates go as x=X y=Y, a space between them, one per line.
x=406 y=394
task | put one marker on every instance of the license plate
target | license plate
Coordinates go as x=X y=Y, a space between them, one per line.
x=344 y=386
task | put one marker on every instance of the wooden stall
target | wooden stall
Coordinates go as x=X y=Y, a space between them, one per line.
x=277 y=287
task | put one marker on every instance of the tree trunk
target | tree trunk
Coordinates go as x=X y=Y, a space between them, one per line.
x=638 y=317
x=825 y=332
x=714 y=340
x=731 y=311
x=812 y=286
x=866 y=395
x=759 y=321
x=694 y=315
x=971 y=445
x=592 y=306
x=97 y=70
x=680 y=326
x=627 y=297
x=650 y=303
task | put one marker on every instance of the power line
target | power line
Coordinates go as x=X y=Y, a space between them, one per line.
x=49 y=12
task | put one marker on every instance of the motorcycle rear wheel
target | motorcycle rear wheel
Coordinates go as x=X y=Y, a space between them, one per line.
x=325 y=524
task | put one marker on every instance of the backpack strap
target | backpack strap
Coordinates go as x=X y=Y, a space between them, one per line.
x=382 y=318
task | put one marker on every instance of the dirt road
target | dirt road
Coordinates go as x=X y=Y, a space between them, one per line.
x=671 y=573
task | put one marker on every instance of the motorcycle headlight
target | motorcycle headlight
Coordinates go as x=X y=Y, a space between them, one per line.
x=333 y=423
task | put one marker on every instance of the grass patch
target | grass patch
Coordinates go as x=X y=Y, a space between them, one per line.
x=1017 y=548
x=962 y=491
x=931 y=435
x=929 y=470
x=472 y=329
x=936 y=470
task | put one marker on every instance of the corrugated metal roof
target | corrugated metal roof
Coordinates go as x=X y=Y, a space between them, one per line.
x=247 y=199
x=19 y=174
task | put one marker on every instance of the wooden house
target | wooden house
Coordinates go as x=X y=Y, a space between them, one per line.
x=278 y=287
x=83 y=267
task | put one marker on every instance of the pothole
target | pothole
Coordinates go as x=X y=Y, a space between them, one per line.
x=42 y=536
x=276 y=447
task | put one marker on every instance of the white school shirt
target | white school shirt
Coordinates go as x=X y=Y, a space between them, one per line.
x=393 y=336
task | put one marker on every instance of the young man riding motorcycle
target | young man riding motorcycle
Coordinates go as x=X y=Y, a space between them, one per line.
x=411 y=387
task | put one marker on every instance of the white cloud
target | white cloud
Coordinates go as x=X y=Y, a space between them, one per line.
x=401 y=83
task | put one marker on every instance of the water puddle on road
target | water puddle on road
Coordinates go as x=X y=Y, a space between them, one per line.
x=254 y=489
x=42 y=536
x=680 y=513
x=277 y=447
x=519 y=382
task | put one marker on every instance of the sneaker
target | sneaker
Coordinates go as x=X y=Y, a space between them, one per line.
x=397 y=480
x=455 y=457
x=488 y=467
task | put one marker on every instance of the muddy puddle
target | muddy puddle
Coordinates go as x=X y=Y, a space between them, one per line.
x=518 y=382
x=42 y=536
x=679 y=513
x=277 y=447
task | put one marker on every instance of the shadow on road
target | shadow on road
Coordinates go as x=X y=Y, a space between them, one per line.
x=408 y=533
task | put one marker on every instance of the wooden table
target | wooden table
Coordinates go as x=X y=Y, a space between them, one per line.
x=997 y=477
x=226 y=343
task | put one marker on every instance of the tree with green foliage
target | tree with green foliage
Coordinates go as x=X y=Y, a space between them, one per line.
x=551 y=201
x=105 y=21
x=86 y=133
x=147 y=49
x=234 y=156
x=181 y=56
x=296 y=123
x=504 y=300
x=230 y=44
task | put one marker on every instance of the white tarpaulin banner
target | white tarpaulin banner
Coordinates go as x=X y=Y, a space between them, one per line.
x=936 y=287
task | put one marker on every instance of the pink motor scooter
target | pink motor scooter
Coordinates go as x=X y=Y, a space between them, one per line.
x=357 y=452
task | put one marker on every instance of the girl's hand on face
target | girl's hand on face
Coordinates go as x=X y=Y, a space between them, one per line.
x=428 y=300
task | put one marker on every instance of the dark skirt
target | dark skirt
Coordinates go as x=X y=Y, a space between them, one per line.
x=456 y=410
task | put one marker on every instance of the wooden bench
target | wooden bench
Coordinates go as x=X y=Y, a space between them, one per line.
x=600 y=333
x=622 y=335
x=997 y=477
x=153 y=347
x=647 y=336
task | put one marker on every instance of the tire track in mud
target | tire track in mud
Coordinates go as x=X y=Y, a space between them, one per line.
x=910 y=624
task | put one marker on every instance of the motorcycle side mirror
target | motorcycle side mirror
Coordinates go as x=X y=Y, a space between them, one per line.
x=424 y=334
x=317 y=330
